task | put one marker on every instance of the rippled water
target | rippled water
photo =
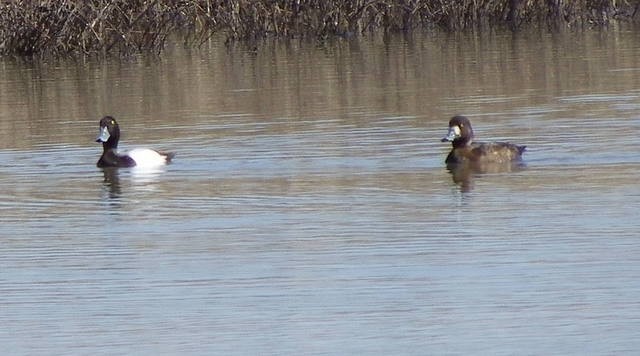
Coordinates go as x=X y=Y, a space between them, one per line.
x=308 y=209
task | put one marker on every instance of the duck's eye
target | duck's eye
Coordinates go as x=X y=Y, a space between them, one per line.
x=113 y=122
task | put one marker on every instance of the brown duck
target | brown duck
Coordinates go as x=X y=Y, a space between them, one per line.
x=466 y=151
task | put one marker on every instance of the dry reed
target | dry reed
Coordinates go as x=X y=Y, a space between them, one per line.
x=121 y=27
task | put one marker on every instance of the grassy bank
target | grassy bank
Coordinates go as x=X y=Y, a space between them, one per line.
x=121 y=27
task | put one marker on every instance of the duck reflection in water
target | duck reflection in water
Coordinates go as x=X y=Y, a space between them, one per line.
x=468 y=159
x=136 y=179
x=112 y=182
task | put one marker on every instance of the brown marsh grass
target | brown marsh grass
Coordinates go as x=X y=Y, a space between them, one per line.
x=121 y=27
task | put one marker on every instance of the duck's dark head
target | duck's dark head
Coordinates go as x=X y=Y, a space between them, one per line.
x=109 y=132
x=460 y=131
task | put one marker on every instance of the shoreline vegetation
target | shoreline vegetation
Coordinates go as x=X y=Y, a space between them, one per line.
x=41 y=28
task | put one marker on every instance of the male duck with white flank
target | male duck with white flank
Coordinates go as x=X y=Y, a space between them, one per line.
x=139 y=157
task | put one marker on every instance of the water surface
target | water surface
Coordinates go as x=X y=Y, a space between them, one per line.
x=308 y=210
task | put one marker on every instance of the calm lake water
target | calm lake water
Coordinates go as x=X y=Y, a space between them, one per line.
x=308 y=209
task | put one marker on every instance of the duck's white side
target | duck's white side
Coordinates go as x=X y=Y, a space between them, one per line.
x=145 y=157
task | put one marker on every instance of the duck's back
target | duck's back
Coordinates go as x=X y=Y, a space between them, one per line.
x=489 y=152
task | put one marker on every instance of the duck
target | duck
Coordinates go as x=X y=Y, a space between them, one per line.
x=109 y=136
x=465 y=150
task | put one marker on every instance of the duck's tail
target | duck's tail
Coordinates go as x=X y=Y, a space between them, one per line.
x=521 y=149
x=168 y=155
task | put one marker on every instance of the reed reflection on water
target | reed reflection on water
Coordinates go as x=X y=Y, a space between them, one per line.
x=309 y=209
